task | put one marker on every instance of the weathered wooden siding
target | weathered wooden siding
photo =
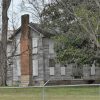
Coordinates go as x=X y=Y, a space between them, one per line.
x=42 y=56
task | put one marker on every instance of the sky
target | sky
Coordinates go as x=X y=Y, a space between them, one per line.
x=14 y=13
x=17 y=13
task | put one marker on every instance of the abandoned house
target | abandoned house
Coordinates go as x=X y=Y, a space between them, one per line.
x=31 y=60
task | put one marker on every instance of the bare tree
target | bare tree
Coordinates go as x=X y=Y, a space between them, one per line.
x=34 y=8
x=5 y=6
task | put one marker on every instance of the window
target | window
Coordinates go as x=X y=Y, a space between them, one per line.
x=51 y=63
x=51 y=66
x=51 y=46
x=63 y=72
x=34 y=45
x=35 y=67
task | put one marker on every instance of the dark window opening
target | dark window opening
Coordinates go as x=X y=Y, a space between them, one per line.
x=51 y=63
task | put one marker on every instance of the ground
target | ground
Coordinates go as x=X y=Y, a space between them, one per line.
x=54 y=93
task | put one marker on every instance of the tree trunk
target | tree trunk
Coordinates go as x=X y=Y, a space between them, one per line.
x=5 y=6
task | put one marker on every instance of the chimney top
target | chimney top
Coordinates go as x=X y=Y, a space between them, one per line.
x=25 y=19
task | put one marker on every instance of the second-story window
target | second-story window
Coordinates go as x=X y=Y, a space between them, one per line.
x=34 y=45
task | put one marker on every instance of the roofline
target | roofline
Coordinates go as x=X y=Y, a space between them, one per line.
x=45 y=33
x=13 y=35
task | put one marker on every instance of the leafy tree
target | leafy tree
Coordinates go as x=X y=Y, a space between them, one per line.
x=77 y=24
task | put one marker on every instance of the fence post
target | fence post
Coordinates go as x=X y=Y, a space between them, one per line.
x=43 y=92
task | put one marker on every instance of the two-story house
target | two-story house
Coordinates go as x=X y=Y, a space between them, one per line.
x=32 y=59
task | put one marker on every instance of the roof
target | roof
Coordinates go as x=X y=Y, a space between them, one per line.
x=35 y=27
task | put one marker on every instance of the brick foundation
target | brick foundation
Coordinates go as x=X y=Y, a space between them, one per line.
x=25 y=80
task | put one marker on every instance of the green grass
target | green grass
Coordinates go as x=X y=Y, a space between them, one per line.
x=61 y=93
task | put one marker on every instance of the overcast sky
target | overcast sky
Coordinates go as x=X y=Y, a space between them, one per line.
x=17 y=13
x=15 y=10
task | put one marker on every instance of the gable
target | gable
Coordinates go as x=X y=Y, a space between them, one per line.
x=35 y=34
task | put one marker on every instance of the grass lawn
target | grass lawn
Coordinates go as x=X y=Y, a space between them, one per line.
x=54 y=93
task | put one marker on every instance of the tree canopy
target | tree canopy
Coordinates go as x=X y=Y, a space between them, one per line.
x=77 y=23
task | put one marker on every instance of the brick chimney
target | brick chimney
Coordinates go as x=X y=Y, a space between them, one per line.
x=26 y=53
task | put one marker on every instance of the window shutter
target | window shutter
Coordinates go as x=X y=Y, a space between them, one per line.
x=93 y=69
x=51 y=46
x=35 y=67
x=34 y=45
x=17 y=46
x=18 y=67
x=63 y=72
x=51 y=70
